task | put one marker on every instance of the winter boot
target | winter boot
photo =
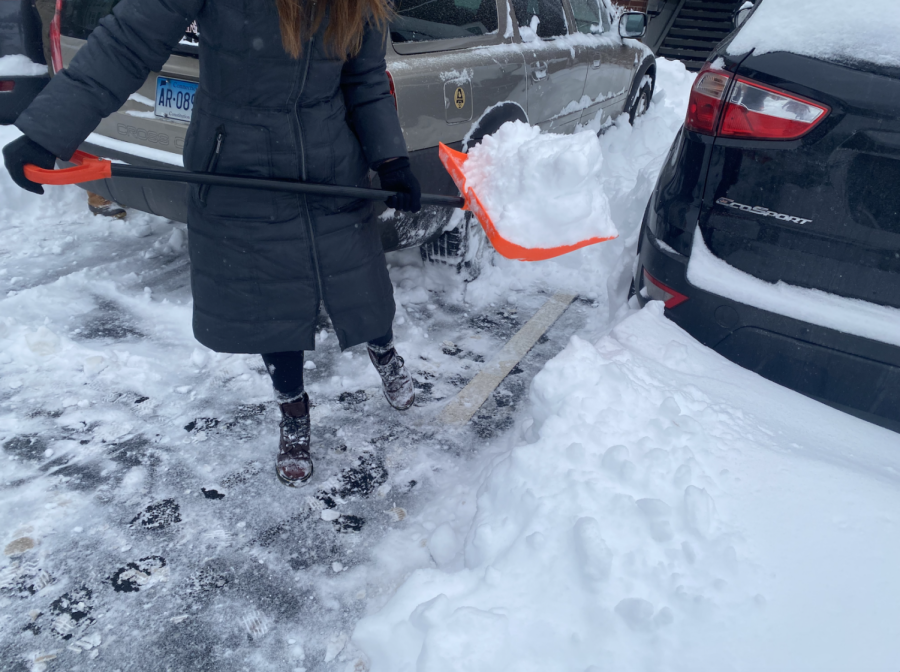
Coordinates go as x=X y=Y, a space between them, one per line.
x=100 y=206
x=294 y=464
x=395 y=379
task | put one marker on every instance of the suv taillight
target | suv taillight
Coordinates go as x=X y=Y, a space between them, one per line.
x=55 y=38
x=7 y=85
x=763 y=113
x=705 y=102
x=657 y=291
x=752 y=110
x=393 y=90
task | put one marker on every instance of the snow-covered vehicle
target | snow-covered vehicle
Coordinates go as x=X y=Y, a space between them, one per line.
x=773 y=233
x=24 y=54
x=459 y=68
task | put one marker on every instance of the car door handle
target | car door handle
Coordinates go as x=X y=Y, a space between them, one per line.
x=539 y=71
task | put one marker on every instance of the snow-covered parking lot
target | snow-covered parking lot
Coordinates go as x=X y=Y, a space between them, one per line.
x=626 y=500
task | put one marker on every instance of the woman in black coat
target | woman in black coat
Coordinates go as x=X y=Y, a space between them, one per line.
x=288 y=89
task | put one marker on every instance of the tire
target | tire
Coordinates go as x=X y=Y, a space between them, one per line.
x=464 y=247
x=641 y=102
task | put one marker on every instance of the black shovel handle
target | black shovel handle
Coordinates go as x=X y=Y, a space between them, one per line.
x=291 y=186
x=89 y=168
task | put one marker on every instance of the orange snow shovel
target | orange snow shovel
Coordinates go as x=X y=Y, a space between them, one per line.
x=89 y=168
x=453 y=161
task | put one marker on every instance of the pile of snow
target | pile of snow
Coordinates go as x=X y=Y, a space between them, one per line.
x=19 y=65
x=834 y=30
x=631 y=158
x=666 y=510
x=541 y=190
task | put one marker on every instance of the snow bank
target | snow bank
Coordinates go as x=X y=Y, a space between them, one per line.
x=19 y=65
x=666 y=510
x=541 y=190
x=631 y=159
x=828 y=29
x=851 y=316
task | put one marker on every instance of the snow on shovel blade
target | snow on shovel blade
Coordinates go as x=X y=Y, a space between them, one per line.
x=453 y=161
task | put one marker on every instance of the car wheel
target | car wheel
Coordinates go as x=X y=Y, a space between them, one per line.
x=641 y=102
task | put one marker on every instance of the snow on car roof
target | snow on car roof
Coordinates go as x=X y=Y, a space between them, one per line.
x=833 y=30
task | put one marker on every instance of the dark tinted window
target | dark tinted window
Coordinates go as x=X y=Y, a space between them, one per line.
x=80 y=17
x=422 y=20
x=550 y=14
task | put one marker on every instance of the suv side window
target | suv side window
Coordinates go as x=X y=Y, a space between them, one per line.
x=424 y=20
x=549 y=13
x=589 y=17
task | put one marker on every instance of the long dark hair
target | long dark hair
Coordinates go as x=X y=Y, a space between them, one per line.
x=300 y=19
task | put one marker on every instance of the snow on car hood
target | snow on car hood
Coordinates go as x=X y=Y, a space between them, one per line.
x=834 y=30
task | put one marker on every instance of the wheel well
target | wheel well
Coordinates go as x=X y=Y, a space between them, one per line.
x=648 y=68
x=492 y=120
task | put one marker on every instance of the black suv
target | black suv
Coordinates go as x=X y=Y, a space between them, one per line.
x=25 y=27
x=773 y=233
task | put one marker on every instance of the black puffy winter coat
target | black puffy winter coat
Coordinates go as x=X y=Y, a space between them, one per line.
x=261 y=262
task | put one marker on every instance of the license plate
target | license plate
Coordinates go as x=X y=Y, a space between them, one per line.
x=174 y=98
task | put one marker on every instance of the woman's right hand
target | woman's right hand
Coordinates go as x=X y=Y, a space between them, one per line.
x=396 y=175
x=22 y=151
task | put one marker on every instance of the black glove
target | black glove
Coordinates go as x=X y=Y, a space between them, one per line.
x=21 y=151
x=396 y=175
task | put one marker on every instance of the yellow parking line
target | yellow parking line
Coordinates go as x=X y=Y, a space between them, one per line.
x=461 y=408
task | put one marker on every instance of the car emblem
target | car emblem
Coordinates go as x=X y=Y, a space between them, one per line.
x=759 y=210
x=460 y=98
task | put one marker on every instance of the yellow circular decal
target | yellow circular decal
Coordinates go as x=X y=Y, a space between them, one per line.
x=460 y=98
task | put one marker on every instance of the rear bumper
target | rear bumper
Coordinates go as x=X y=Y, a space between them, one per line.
x=170 y=199
x=851 y=373
x=12 y=103
x=165 y=199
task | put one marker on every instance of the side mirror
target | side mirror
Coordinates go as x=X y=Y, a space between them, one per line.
x=740 y=15
x=633 y=25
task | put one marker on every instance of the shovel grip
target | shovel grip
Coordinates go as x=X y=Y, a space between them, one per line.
x=87 y=168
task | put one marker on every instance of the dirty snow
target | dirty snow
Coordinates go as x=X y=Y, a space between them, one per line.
x=828 y=29
x=19 y=65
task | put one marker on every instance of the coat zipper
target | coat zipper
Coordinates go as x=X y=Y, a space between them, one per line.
x=212 y=163
x=312 y=235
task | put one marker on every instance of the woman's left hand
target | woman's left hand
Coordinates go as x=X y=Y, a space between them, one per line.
x=396 y=175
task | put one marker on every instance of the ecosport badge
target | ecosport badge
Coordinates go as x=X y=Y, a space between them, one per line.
x=759 y=210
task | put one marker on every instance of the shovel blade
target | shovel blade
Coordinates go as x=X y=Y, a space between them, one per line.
x=453 y=162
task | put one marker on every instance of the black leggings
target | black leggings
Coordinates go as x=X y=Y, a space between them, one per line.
x=286 y=368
